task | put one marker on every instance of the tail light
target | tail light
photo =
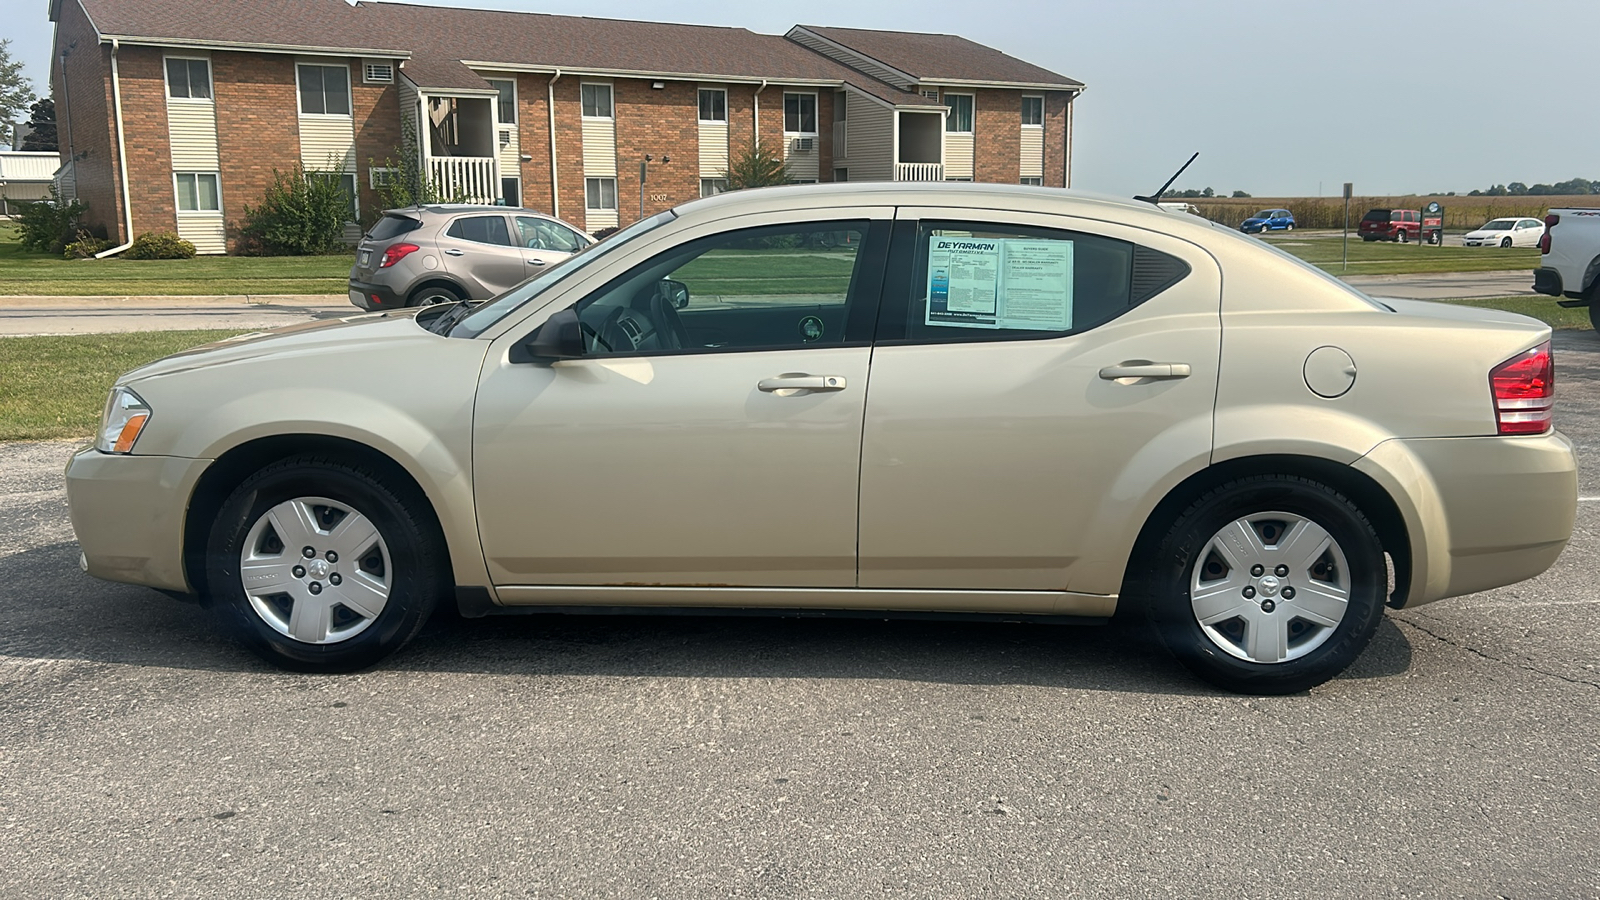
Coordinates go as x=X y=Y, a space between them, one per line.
x=1549 y=226
x=395 y=253
x=1524 y=388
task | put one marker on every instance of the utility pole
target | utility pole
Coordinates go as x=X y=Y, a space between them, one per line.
x=1347 y=186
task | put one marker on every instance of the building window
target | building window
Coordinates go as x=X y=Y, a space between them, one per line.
x=347 y=186
x=511 y=191
x=714 y=105
x=188 y=79
x=800 y=113
x=960 y=119
x=596 y=101
x=197 y=192
x=841 y=174
x=508 y=100
x=324 y=90
x=1033 y=110
x=710 y=187
x=381 y=177
x=1034 y=180
x=600 y=193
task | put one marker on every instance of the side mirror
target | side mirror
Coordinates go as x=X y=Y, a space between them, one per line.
x=675 y=293
x=560 y=337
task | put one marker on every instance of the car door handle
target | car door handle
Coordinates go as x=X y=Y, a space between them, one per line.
x=1138 y=368
x=785 y=385
x=535 y=262
x=453 y=252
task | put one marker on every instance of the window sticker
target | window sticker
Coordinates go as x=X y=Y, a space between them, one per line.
x=1016 y=283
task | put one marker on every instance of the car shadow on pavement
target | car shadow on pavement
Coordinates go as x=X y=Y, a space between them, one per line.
x=51 y=610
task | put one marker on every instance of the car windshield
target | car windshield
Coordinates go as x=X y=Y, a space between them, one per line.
x=494 y=310
x=1499 y=225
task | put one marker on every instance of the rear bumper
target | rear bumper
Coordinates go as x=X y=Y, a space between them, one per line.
x=1547 y=281
x=373 y=297
x=128 y=513
x=1482 y=512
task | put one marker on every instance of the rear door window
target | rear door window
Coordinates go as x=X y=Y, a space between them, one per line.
x=979 y=281
x=481 y=230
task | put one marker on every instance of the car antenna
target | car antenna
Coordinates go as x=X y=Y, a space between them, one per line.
x=1157 y=197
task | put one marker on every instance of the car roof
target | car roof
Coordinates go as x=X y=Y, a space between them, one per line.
x=976 y=195
x=451 y=208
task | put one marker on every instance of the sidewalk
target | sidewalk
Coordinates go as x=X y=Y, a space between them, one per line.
x=35 y=315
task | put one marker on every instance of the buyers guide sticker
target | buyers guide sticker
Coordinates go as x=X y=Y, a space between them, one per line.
x=1000 y=283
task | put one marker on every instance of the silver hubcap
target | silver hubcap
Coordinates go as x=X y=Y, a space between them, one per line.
x=1270 y=587
x=315 y=570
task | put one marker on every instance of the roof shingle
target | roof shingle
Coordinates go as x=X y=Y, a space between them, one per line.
x=935 y=57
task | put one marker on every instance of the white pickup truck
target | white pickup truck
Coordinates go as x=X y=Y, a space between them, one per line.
x=1569 y=263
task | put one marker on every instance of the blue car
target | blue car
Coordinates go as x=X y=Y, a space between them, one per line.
x=1268 y=220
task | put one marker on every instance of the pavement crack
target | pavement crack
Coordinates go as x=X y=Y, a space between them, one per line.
x=1490 y=657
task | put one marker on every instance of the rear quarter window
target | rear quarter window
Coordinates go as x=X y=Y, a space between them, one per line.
x=390 y=227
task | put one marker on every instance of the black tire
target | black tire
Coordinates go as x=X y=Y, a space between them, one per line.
x=1367 y=240
x=416 y=568
x=1505 y=243
x=1403 y=238
x=432 y=294
x=1594 y=305
x=1167 y=601
x=1289 y=227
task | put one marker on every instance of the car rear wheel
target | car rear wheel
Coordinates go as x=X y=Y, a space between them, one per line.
x=1289 y=227
x=1269 y=585
x=1402 y=238
x=321 y=565
x=430 y=295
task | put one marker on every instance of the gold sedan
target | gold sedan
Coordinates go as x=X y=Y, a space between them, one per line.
x=865 y=399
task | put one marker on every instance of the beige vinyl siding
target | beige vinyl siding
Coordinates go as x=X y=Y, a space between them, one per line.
x=957 y=155
x=510 y=152
x=802 y=165
x=410 y=100
x=1032 y=151
x=327 y=143
x=599 y=147
x=206 y=231
x=713 y=149
x=869 y=130
x=192 y=126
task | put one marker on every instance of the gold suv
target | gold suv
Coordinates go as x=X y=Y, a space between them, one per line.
x=867 y=399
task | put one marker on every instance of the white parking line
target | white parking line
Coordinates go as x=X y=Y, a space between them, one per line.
x=1589 y=499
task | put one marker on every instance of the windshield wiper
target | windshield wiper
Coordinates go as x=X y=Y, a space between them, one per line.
x=451 y=317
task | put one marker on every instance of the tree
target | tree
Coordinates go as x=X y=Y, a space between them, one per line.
x=41 y=127
x=16 y=91
x=1208 y=192
x=1517 y=189
x=756 y=166
x=1240 y=194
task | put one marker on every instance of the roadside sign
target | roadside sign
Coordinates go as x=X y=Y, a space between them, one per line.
x=1433 y=223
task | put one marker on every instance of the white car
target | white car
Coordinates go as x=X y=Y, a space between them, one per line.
x=1509 y=232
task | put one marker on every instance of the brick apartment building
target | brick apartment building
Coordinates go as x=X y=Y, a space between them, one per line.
x=176 y=112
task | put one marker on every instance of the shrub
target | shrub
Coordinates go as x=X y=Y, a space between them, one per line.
x=302 y=214
x=755 y=166
x=86 y=246
x=160 y=245
x=47 y=226
x=604 y=233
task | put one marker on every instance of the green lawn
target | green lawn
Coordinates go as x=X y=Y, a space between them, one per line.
x=52 y=387
x=1542 y=308
x=725 y=273
x=38 y=273
x=1384 y=258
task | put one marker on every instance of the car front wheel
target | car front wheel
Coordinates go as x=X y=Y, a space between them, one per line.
x=1268 y=585
x=320 y=564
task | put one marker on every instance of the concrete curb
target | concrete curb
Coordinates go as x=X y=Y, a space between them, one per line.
x=304 y=301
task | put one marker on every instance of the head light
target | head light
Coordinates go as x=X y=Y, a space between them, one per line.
x=124 y=418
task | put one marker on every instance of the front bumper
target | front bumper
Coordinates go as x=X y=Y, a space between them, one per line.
x=374 y=297
x=1547 y=281
x=128 y=512
x=1482 y=512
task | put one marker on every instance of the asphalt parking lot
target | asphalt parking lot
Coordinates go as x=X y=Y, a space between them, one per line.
x=143 y=755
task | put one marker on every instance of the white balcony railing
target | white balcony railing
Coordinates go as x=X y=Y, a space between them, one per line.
x=468 y=179
x=918 y=171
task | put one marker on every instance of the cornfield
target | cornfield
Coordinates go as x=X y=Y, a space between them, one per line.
x=1328 y=212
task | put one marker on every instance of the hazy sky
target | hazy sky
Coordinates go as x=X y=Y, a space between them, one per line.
x=1279 y=97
